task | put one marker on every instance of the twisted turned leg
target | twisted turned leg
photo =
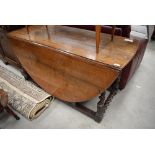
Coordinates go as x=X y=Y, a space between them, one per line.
x=101 y=105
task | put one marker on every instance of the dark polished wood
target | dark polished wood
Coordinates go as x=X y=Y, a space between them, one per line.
x=129 y=70
x=81 y=43
x=67 y=65
x=68 y=77
x=101 y=105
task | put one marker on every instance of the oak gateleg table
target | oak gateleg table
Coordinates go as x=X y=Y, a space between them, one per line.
x=72 y=64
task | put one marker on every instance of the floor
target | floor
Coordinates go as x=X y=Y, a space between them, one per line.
x=134 y=107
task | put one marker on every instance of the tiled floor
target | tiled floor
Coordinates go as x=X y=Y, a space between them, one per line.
x=134 y=107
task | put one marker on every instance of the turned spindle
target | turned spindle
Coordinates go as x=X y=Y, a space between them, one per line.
x=98 y=32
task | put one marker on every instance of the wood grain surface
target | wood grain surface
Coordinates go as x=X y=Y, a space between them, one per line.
x=82 y=43
x=64 y=62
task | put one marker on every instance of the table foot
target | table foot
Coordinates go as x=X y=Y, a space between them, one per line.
x=101 y=105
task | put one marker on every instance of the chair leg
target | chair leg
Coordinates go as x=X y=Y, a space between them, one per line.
x=4 y=104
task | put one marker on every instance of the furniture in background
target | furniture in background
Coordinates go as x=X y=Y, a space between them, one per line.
x=6 y=53
x=120 y=30
x=98 y=36
x=97 y=29
x=4 y=104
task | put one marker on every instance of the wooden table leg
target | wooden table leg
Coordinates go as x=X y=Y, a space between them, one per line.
x=101 y=105
x=98 y=33
x=100 y=108
x=24 y=73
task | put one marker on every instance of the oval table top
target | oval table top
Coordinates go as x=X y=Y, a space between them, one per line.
x=64 y=62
